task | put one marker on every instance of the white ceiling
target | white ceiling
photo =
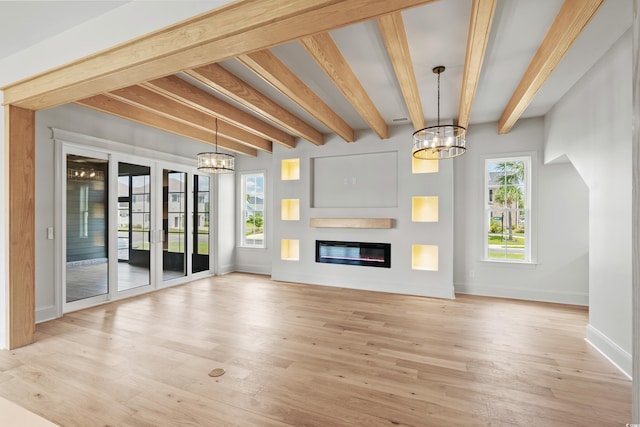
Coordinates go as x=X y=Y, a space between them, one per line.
x=437 y=35
x=25 y=23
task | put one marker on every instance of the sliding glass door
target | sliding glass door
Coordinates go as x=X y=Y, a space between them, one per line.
x=86 y=258
x=130 y=224
x=174 y=224
x=200 y=231
x=134 y=226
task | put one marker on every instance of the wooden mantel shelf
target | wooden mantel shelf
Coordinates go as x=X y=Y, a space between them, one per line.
x=352 y=222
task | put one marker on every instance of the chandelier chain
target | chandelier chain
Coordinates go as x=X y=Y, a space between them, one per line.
x=439 y=97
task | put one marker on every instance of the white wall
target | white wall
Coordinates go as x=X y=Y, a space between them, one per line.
x=400 y=278
x=46 y=307
x=591 y=125
x=561 y=271
x=559 y=222
x=251 y=260
x=225 y=218
x=88 y=122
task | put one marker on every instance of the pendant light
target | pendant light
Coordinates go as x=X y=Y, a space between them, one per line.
x=216 y=162
x=440 y=141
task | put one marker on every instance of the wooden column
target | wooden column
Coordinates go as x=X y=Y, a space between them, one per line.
x=20 y=137
x=635 y=144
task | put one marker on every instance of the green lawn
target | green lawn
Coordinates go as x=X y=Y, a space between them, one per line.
x=509 y=256
x=498 y=239
x=502 y=242
x=203 y=247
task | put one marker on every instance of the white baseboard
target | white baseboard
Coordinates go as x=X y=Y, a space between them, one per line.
x=574 y=298
x=610 y=350
x=255 y=269
x=433 y=291
x=226 y=269
x=46 y=313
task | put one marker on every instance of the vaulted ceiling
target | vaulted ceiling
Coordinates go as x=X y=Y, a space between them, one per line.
x=300 y=72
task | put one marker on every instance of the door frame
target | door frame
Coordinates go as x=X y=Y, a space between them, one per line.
x=60 y=258
x=161 y=283
x=76 y=143
x=116 y=159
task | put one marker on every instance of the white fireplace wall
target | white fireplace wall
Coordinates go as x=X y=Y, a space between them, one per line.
x=400 y=278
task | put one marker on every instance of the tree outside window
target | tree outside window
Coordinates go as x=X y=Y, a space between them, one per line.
x=253 y=200
x=507 y=207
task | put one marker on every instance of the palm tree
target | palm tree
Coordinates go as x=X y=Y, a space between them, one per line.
x=510 y=173
x=509 y=194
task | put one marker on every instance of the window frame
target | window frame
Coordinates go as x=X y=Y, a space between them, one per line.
x=529 y=206
x=242 y=212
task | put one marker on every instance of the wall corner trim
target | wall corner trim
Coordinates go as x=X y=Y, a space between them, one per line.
x=44 y=314
x=615 y=354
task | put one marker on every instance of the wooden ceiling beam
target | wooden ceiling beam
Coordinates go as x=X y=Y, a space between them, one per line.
x=395 y=39
x=126 y=111
x=273 y=71
x=573 y=17
x=149 y=100
x=327 y=55
x=188 y=94
x=221 y=80
x=482 y=12
x=228 y=31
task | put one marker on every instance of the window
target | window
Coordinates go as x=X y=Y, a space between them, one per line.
x=252 y=210
x=508 y=210
x=84 y=211
x=200 y=231
x=175 y=210
x=140 y=190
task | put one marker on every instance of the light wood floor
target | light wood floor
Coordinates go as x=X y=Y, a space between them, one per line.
x=299 y=355
x=86 y=281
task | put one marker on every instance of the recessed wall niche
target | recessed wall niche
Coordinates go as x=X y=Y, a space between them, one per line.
x=424 y=257
x=290 y=250
x=355 y=181
x=290 y=210
x=424 y=166
x=424 y=209
x=290 y=169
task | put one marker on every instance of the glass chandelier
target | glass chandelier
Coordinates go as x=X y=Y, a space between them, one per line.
x=216 y=162
x=440 y=141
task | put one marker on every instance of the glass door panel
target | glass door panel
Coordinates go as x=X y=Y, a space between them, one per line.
x=124 y=237
x=201 y=230
x=134 y=226
x=110 y=215
x=87 y=268
x=174 y=218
